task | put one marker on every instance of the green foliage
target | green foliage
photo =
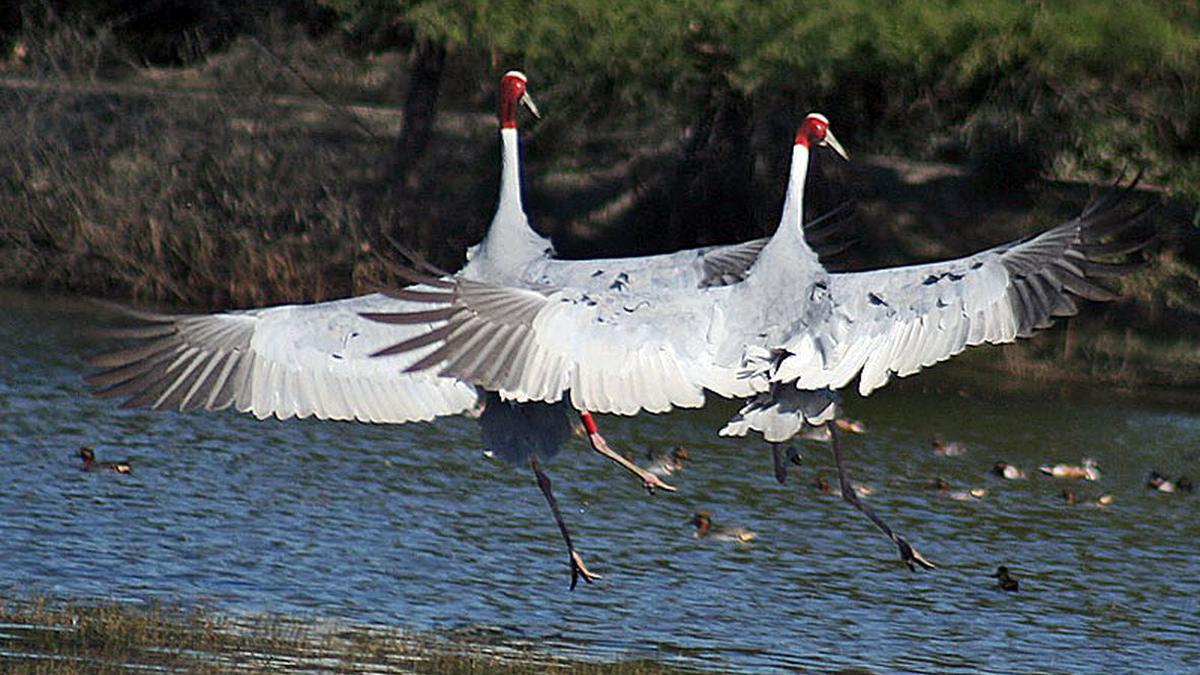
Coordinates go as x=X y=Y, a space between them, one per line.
x=1077 y=83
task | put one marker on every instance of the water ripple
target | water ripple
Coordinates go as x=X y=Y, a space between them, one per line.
x=412 y=526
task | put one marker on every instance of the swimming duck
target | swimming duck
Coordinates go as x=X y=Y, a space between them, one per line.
x=821 y=433
x=862 y=489
x=1008 y=471
x=1088 y=471
x=1070 y=497
x=948 y=449
x=850 y=426
x=706 y=530
x=824 y=488
x=90 y=464
x=1159 y=482
x=665 y=464
x=943 y=488
x=1004 y=580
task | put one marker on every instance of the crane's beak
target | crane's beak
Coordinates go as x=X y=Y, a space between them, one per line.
x=837 y=147
x=527 y=101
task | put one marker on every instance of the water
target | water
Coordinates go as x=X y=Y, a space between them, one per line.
x=410 y=526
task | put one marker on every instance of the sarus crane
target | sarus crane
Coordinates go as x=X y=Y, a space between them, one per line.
x=785 y=337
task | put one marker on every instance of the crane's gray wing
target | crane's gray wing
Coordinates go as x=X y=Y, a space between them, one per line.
x=826 y=235
x=897 y=321
x=615 y=352
x=291 y=360
x=727 y=265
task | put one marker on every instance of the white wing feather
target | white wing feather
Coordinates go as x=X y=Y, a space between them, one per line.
x=285 y=361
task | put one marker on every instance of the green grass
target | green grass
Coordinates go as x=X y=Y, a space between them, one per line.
x=42 y=636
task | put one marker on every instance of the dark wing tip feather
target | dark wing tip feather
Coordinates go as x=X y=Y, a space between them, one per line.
x=417 y=342
x=1050 y=269
x=413 y=295
x=416 y=259
x=407 y=318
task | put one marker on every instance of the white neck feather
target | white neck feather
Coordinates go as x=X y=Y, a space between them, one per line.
x=787 y=247
x=510 y=243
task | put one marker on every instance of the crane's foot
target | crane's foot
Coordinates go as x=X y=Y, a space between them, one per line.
x=652 y=482
x=580 y=571
x=911 y=556
x=649 y=480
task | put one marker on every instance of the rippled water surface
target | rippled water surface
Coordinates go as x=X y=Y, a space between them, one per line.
x=411 y=526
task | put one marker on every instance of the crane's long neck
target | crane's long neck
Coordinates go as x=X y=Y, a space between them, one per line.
x=510 y=176
x=788 y=248
x=510 y=243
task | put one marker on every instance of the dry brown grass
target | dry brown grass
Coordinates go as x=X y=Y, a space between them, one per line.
x=66 y=638
x=232 y=186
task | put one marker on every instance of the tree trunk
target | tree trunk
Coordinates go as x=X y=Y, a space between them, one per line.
x=711 y=191
x=420 y=103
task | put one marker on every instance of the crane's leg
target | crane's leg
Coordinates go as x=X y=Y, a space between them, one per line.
x=649 y=480
x=911 y=556
x=578 y=569
x=780 y=467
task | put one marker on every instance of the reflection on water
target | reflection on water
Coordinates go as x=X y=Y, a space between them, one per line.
x=411 y=526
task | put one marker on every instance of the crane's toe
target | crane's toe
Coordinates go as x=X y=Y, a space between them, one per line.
x=579 y=570
x=912 y=557
x=652 y=483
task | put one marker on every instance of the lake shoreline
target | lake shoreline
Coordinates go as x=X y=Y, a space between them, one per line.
x=43 y=635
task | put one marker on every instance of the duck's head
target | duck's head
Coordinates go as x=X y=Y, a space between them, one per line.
x=822 y=486
x=1005 y=581
x=999 y=467
x=940 y=484
x=703 y=522
x=1155 y=479
x=87 y=454
x=1069 y=496
x=679 y=454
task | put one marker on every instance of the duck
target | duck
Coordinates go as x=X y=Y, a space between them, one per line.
x=1071 y=497
x=88 y=455
x=1159 y=482
x=823 y=487
x=862 y=489
x=850 y=426
x=665 y=464
x=943 y=488
x=1005 y=581
x=948 y=448
x=706 y=530
x=1089 y=470
x=1008 y=471
x=821 y=433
